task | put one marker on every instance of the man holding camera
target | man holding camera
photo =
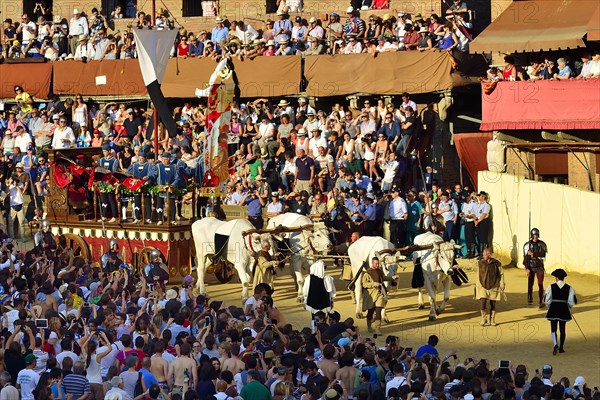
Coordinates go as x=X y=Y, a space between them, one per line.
x=255 y=203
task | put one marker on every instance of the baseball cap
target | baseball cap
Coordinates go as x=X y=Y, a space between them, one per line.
x=29 y=358
x=343 y=341
x=547 y=371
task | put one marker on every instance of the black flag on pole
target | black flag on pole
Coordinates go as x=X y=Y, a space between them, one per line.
x=154 y=48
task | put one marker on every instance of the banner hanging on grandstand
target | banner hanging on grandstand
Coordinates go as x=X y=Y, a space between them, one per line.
x=122 y=77
x=35 y=78
x=573 y=104
x=388 y=73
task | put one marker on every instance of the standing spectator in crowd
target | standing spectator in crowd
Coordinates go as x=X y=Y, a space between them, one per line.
x=28 y=379
x=282 y=28
x=482 y=221
x=78 y=25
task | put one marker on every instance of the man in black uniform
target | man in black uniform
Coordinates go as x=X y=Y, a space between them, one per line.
x=44 y=239
x=559 y=298
x=534 y=253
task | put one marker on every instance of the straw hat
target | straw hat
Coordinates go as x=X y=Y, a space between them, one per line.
x=271 y=43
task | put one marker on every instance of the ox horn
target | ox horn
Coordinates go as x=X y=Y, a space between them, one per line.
x=458 y=246
x=262 y=231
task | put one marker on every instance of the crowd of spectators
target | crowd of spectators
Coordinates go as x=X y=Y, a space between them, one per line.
x=92 y=37
x=547 y=67
x=73 y=331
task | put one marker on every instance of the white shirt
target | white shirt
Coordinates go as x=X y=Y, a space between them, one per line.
x=16 y=199
x=410 y=103
x=252 y=301
x=29 y=32
x=386 y=47
x=355 y=48
x=42 y=359
x=12 y=316
x=78 y=26
x=267 y=130
x=247 y=36
x=390 y=171
x=61 y=356
x=28 y=379
x=315 y=143
x=398 y=208
x=84 y=50
x=110 y=358
x=275 y=207
x=395 y=382
x=59 y=135
x=594 y=69
x=22 y=141
x=316 y=32
x=289 y=167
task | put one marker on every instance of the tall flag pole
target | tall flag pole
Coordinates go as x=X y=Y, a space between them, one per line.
x=154 y=48
x=220 y=92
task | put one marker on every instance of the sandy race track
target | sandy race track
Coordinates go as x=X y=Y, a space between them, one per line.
x=522 y=336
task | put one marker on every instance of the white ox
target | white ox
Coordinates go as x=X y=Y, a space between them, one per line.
x=363 y=251
x=239 y=252
x=435 y=262
x=303 y=243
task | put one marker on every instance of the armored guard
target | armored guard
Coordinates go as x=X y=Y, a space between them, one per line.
x=534 y=254
x=111 y=260
x=156 y=271
x=145 y=171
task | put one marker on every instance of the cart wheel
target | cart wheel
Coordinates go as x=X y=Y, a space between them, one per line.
x=225 y=273
x=76 y=243
x=144 y=258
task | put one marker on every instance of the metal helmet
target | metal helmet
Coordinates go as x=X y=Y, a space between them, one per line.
x=113 y=243
x=535 y=231
x=155 y=254
x=45 y=224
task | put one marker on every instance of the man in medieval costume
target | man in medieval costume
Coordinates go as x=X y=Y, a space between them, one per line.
x=374 y=294
x=318 y=290
x=490 y=286
x=560 y=298
x=265 y=266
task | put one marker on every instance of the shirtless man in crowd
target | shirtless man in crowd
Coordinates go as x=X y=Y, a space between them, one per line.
x=183 y=370
x=160 y=366
x=234 y=364
x=347 y=372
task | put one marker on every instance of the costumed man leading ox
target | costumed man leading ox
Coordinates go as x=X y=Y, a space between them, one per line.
x=234 y=242
x=434 y=268
x=361 y=254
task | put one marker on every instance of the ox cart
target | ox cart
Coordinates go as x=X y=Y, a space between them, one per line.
x=73 y=211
